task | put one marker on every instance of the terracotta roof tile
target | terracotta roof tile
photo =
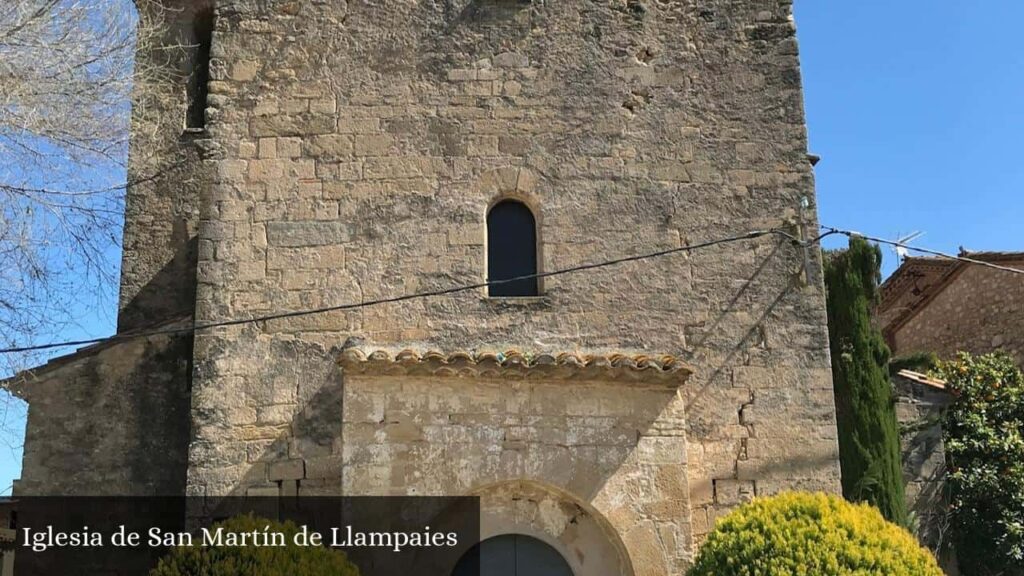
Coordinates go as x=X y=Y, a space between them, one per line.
x=993 y=255
x=518 y=365
x=922 y=379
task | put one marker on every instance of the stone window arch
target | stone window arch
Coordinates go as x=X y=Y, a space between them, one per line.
x=512 y=249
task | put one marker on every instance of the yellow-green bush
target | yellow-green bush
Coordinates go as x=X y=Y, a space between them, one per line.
x=288 y=560
x=810 y=534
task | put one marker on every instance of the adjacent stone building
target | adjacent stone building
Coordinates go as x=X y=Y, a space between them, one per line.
x=350 y=152
x=946 y=306
x=920 y=408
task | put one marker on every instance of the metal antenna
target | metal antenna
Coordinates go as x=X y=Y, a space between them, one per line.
x=902 y=252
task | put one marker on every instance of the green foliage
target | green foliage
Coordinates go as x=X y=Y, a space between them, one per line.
x=918 y=362
x=869 y=442
x=813 y=535
x=289 y=560
x=985 y=450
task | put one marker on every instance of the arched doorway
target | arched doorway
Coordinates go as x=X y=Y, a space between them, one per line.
x=512 y=555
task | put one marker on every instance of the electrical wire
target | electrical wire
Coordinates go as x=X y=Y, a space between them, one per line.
x=828 y=231
x=967 y=259
x=405 y=297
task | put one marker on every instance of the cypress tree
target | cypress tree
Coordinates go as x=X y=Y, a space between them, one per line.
x=869 y=442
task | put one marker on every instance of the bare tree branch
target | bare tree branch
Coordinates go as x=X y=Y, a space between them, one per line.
x=68 y=83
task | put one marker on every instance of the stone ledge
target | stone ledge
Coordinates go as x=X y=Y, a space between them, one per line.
x=640 y=369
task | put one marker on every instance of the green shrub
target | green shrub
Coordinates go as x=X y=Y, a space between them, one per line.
x=810 y=534
x=984 y=434
x=917 y=361
x=289 y=560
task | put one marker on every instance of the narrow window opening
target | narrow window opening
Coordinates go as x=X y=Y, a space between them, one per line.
x=512 y=250
x=199 y=78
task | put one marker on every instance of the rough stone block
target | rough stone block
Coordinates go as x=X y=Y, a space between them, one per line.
x=291 y=125
x=263 y=491
x=358 y=125
x=268 y=147
x=373 y=144
x=661 y=449
x=289 y=488
x=319 y=468
x=328 y=146
x=244 y=70
x=406 y=167
x=280 y=414
x=461 y=75
x=730 y=492
x=323 y=106
x=313 y=233
x=289 y=147
x=306 y=258
x=511 y=60
x=471 y=235
x=246 y=149
x=265 y=169
x=286 y=470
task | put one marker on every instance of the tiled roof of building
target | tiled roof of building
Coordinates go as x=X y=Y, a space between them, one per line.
x=514 y=364
x=994 y=256
x=922 y=379
x=919 y=279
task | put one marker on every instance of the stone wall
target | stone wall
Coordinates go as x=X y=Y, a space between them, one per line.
x=357 y=147
x=980 y=311
x=920 y=410
x=167 y=176
x=590 y=441
x=108 y=421
x=114 y=419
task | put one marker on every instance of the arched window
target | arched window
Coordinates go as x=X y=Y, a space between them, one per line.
x=512 y=555
x=511 y=249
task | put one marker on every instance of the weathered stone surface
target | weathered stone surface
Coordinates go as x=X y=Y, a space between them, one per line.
x=171 y=169
x=110 y=421
x=944 y=307
x=286 y=470
x=919 y=410
x=299 y=234
x=459 y=434
x=357 y=161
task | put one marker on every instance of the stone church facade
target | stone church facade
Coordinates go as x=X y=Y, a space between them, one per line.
x=351 y=151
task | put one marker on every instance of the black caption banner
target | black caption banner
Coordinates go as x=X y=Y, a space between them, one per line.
x=171 y=536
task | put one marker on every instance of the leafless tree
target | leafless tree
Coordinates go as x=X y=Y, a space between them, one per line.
x=67 y=73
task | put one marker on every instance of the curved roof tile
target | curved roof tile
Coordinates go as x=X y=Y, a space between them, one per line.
x=517 y=365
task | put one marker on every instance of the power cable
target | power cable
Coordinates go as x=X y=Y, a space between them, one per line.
x=967 y=259
x=828 y=231
x=414 y=296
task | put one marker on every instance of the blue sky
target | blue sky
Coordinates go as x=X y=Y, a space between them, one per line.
x=914 y=106
x=916 y=109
